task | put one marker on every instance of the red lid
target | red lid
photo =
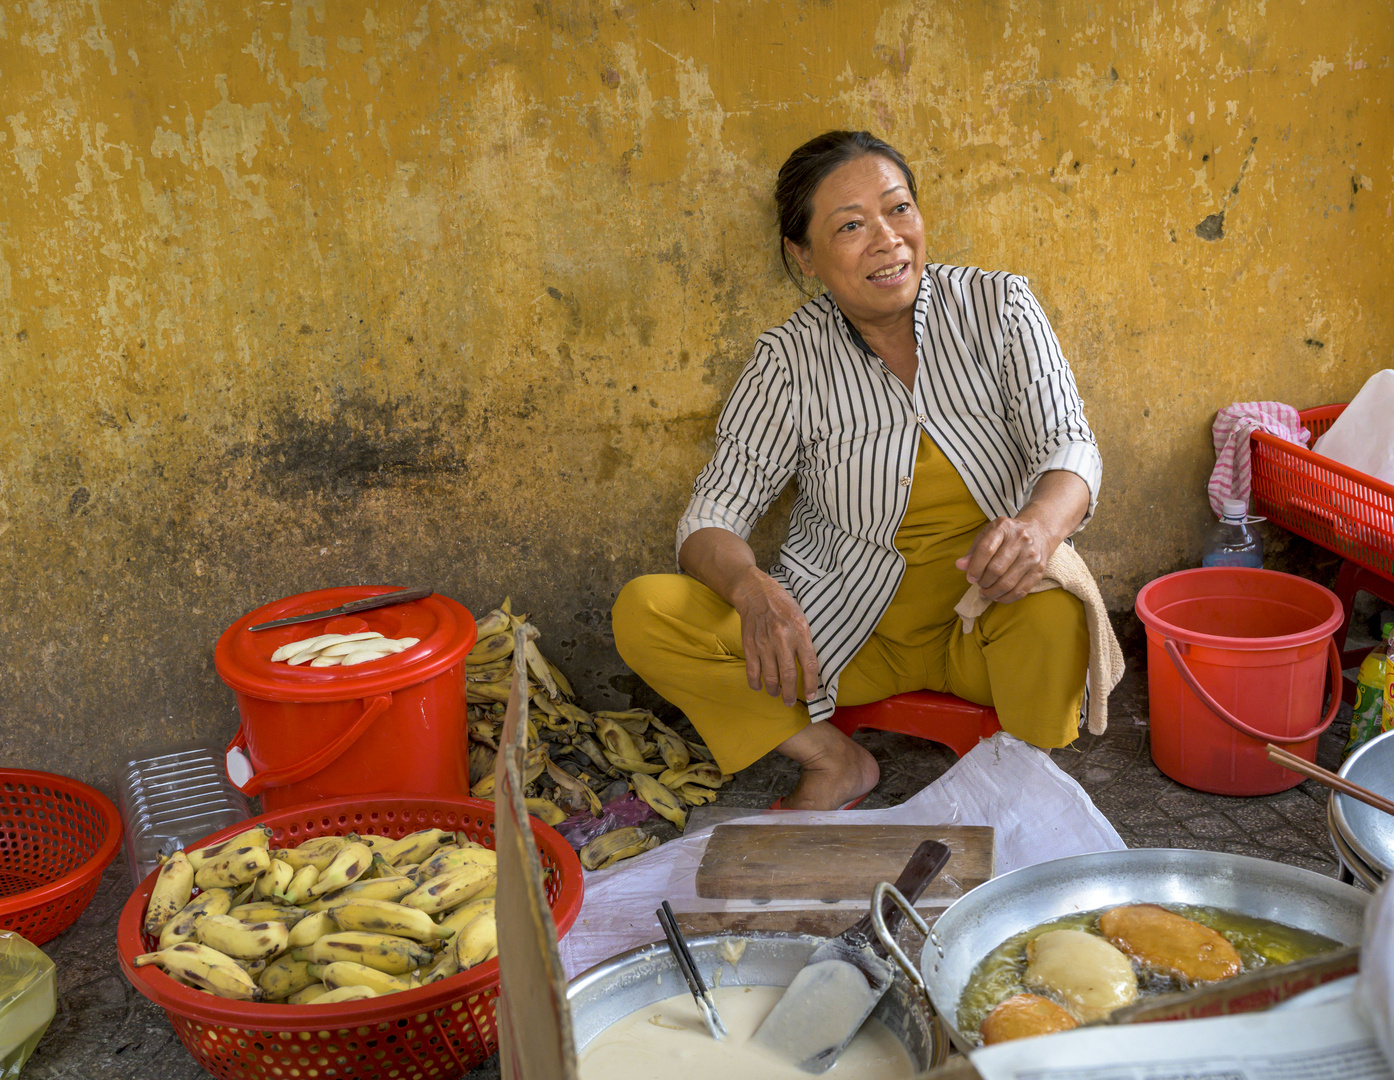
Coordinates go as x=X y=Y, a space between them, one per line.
x=243 y=657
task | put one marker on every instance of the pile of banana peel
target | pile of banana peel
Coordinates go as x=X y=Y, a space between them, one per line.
x=576 y=760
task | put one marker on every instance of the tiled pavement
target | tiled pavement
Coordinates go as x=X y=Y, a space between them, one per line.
x=107 y=1031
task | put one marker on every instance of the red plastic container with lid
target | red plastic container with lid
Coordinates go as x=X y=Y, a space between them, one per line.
x=392 y=724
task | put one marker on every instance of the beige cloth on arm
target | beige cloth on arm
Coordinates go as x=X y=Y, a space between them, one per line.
x=1066 y=570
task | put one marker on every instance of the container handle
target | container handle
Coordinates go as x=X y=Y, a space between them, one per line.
x=1233 y=721
x=316 y=761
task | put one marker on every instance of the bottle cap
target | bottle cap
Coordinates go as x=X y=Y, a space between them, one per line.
x=1236 y=508
x=1387 y=630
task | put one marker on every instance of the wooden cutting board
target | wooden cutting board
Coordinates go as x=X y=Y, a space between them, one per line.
x=826 y=863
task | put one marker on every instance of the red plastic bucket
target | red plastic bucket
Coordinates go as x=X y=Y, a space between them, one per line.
x=388 y=725
x=1237 y=658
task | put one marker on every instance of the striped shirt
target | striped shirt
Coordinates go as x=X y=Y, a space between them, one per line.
x=992 y=389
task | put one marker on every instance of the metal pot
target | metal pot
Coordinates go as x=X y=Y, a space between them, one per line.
x=1368 y=832
x=984 y=917
x=617 y=987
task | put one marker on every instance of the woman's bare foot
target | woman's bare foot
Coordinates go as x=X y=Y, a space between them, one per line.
x=835 y=769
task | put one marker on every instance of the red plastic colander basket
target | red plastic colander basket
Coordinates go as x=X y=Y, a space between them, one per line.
x=56 y=837
x=435 y=1032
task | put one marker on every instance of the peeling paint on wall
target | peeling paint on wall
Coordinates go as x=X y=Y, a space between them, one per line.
x=298 y=294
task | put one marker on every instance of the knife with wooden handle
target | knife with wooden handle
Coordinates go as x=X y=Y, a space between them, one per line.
x=401 y=596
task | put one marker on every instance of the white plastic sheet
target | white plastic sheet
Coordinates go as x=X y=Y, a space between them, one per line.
x=1363 y=436
x=1039 y=813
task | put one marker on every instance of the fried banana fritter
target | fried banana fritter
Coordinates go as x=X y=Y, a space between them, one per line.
x=1170 y=943
x=1022 y=1016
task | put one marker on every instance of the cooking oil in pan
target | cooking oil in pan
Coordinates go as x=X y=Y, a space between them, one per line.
x=1259 y=942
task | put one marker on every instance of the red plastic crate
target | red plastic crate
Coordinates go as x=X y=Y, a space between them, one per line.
x=1344 y=510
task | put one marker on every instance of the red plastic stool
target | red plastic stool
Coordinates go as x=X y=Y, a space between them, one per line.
x=925 y=714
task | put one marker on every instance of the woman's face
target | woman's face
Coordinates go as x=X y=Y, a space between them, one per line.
x=865 y=240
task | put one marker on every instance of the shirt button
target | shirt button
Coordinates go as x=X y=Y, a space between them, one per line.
x=904 y=481
x=922 y=418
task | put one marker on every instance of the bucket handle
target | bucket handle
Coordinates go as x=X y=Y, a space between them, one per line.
x=320 y=759
x=1233 y=721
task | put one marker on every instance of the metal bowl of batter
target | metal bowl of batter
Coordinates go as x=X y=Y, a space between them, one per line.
x=983 y=918
x=623 y=984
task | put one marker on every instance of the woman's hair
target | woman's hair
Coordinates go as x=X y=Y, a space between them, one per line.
x=809 y=166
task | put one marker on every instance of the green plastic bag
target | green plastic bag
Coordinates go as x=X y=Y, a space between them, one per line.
x=28 y=999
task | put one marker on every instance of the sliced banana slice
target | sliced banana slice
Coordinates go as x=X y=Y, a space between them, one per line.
x=350 y=644
x=362 y=657
x=325 y=661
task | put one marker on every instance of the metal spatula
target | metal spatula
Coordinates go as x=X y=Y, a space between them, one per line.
x=843 y=980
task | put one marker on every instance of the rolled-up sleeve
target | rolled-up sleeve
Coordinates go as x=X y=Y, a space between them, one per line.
x=756 y=449
x=1043 y=404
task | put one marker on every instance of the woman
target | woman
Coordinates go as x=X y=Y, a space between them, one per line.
x=938 y=440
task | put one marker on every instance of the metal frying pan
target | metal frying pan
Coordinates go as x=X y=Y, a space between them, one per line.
x=984 y=917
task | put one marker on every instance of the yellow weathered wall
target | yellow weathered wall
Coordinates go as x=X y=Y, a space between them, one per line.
x=306 y=293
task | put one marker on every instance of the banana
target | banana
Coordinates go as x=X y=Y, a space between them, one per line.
x=485 y=788
x=416 y=846
x=385 y=917
x=618 y=742
x=564 y=779
x=266 y=911
x=615 y=845
x=170 y=894
x=380 y=868
x=444 y=967
x=695 y=794
x=537 y=664
x=239 y=866
x=660 y=798
x=701 y=773
x=493 y=647
x=462 y=839
x=449 y=890
x=243 y=941
x=347 y=867
x=375 y=842
x=297 y=890
x=546 y=811
x=673 y=750
x=311 y=928
x=283 y=977
x=347 y=973
x=254 y=968
x=205 y=968
x=345 y=993
x=563 y=683
x=496 y=622
x=309 y=995
x=318 y=852
x=272 y=881
x=466 y=913
x=634 y=721
x=183 y=926
x=444 y=861
x=491 y=691
x=257 y=836
x=394 y=955
x=393 y=888
x=475 y=943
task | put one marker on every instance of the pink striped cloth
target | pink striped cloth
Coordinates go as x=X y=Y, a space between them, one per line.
x=1230 y=478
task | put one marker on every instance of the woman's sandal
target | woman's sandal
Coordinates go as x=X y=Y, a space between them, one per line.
x=778 y=804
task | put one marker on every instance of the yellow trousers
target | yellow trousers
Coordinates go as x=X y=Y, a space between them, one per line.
x=1027 y=659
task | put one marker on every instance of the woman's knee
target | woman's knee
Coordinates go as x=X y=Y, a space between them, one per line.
x=638 y=608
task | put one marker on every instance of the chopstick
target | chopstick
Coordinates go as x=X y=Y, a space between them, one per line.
x=683 y=956
x=1289 y=760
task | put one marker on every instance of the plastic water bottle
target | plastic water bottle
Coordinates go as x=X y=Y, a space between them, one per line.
x=1232 y=542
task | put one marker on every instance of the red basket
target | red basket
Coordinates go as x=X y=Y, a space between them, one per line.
x=438 y=1031
x=56 y=837
x=1344 y=510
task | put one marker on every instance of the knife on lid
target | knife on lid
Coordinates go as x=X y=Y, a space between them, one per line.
x=401 y=596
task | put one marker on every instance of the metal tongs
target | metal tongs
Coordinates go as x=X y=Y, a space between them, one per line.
x=683 y=956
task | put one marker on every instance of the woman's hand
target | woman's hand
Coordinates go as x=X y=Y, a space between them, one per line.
x=1009 y=555
x=1008 y=558
x=775 y=637
x=774 y=632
